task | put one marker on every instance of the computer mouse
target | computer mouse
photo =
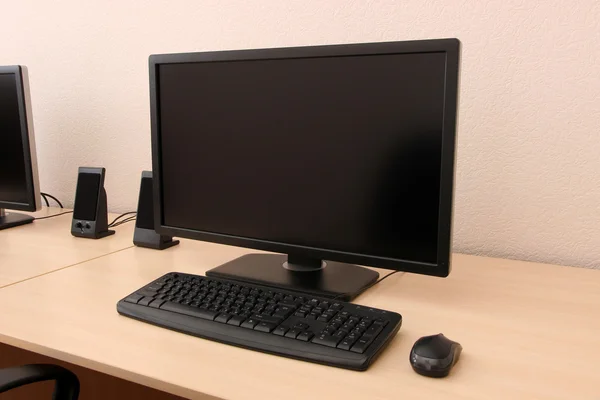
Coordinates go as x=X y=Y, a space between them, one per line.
x=434 y=356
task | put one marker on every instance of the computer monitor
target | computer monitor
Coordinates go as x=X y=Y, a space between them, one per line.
x=19 y=187
x=332 y=155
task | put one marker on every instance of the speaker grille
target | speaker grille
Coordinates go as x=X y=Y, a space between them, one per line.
x=86 y=196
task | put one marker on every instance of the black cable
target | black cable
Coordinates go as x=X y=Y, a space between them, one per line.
x=121 y=216
x=45 y=199
x=126 y=220
x=55 y=215
x=368 y=286
x=53 y=198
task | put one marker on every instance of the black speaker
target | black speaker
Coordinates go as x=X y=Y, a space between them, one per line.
x=90 y=216
x=144 y=234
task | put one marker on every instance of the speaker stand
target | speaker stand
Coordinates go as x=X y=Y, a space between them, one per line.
x=152 y=240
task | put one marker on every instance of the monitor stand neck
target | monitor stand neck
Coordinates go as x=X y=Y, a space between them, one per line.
x=309 y=276
x=303 y=264
x=9 y=220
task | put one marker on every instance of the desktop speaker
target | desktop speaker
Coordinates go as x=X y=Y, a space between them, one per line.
x=144 y=234
x=90 y=215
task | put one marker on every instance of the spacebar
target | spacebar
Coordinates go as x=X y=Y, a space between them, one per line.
x=188 y=310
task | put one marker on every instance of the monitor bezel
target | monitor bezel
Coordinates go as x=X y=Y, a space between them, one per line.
x=28 y=139
x=451 y=47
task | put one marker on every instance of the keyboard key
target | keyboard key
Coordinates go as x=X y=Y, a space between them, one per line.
x=188 y=310
x=265 y=318
x=340 y=334
x=292 y=333
x=346 y=344
x=301 y=325
x=223 y=318
x=347 y=327
x=157 y=303
x=353 y=336
x=265 y=327
x=361 y=346
x=358 y=331
x=145 y=292
x=336 y=306
x=335 y=325
x=134 y=298
x=300 y=314
x=283 y=312
x=312 y=316
x=249 y=323
x=373 y=331
x=330 y=330
x=364 y=324
x=236 y=320
x=145 y=301
x=280 y=330
x=305 y=336
x=326 y=340
x=325 y=317
x=380 y=321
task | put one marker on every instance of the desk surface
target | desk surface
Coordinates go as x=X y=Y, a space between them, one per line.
x=528 y=331
x=47 y=245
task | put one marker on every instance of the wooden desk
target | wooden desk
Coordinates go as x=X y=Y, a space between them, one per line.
x=47 y=245
x=528 y=331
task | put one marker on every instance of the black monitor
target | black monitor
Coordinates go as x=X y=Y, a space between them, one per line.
x=332 y=155
x=19 y=188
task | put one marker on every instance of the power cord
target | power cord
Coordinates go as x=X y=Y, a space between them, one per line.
x=45 y=197
x=371 y=285
x=55 y=215
x=114 y=222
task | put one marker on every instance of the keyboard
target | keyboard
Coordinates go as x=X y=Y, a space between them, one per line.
x=261 y=318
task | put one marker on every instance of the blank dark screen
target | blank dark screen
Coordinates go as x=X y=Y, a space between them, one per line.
x=86 y=196
x=336 y=153
x=13 y=177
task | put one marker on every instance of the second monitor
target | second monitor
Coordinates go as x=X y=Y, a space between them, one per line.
x=19 y=185
x=330 y=155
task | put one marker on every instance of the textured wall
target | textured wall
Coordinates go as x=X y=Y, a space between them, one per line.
x=528 y=178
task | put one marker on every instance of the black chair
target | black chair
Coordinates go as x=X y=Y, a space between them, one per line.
x=66 y=387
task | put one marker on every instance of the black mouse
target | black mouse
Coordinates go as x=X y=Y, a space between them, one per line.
x=434 y=356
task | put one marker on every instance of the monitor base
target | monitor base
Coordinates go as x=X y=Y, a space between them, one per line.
x=325 y=279
x=10 y=220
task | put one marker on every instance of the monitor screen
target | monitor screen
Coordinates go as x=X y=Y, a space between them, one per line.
x=338 y=153
x=13 y=176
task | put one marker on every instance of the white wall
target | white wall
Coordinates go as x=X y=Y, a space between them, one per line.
x=528 y=178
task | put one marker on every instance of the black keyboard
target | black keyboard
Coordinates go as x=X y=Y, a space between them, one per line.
x=284 y=323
